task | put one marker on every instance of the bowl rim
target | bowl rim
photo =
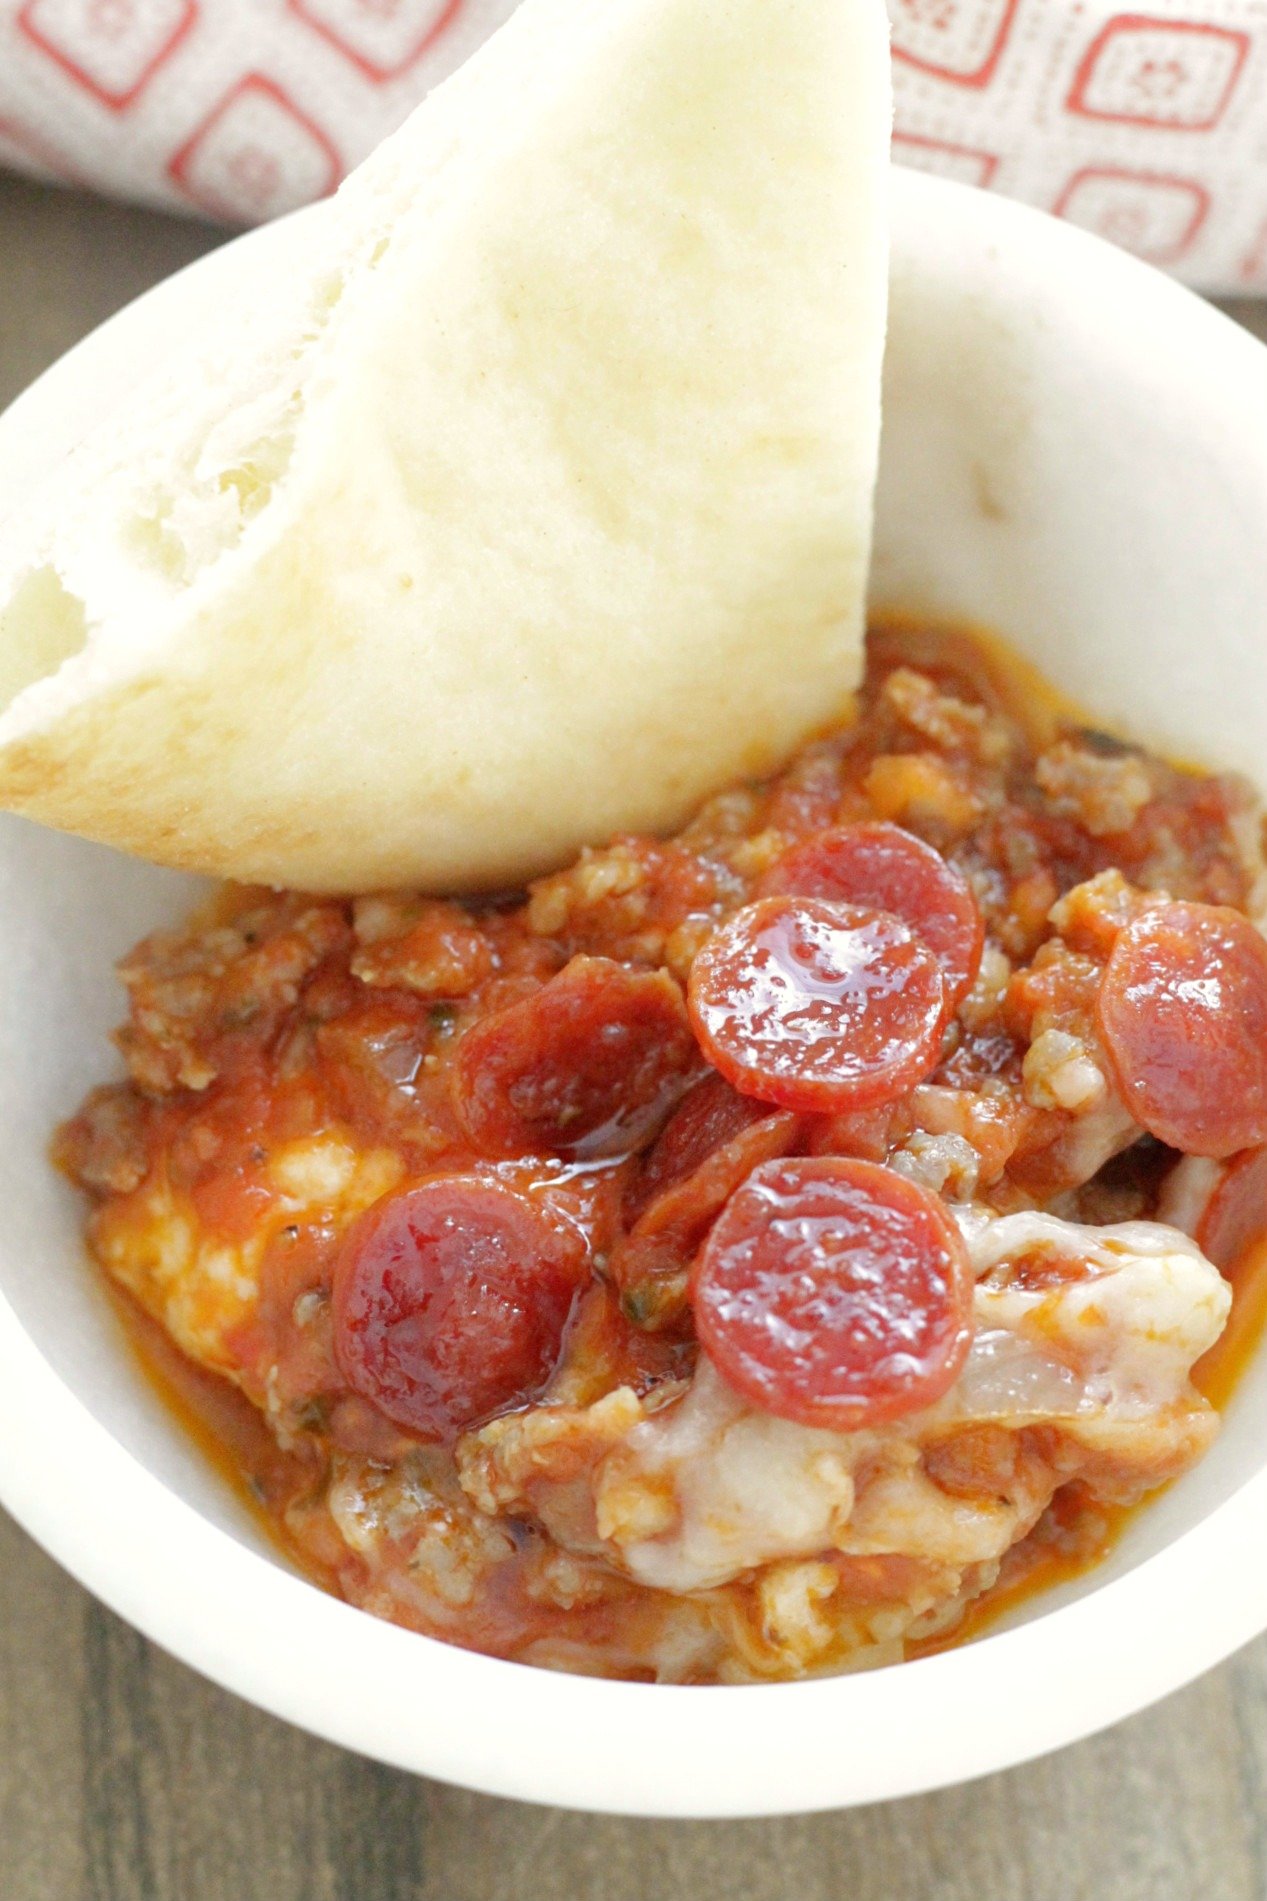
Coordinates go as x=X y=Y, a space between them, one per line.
x=257 y=1628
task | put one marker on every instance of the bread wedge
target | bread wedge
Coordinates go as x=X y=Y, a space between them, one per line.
x=532 y=505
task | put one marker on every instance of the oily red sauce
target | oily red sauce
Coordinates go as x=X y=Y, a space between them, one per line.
x=539 y=1111
x=1217 y=1373
x=1079 y=1533
x=232 y=1438
x=230 y=1433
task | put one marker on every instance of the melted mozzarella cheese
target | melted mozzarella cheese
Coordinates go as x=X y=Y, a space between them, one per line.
x=747 y=1487
x=1122 y=1336
x=1104 y=1355
x=201 y=1286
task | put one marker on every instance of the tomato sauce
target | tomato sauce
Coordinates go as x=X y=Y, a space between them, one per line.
x=474 y=1239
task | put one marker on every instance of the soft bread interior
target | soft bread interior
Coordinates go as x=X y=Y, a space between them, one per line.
x=532 y=503
x=45 y=625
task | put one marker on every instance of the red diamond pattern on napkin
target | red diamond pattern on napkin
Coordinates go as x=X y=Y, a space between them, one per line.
x=1154 y=215
x=384 y=38
x=1175 y=74
x=959 y=40
x=1144 y=119
x=963 y=162
x=112 y=48
x=255 y=155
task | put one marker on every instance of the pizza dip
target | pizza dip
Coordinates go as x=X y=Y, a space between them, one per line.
x=751 y=1252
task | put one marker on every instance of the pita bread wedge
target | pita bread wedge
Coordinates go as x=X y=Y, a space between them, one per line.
x=533 y=505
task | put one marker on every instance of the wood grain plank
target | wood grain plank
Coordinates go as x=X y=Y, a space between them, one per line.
x=42 y=1687
x=125 y=1777
x=189 y=1793
x=1150 y=1812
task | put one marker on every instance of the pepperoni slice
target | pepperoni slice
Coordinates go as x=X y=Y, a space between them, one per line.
x=709 y=1116
x=1235 y=1216
x=589 y=1064
x=450 y=1303
x=817 y=1006
x=651 y=1264
x=834 y=1293
x=882 y=866
x=1183 y=1012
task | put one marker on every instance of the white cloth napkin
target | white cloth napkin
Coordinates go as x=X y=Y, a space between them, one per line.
x=1146 y=125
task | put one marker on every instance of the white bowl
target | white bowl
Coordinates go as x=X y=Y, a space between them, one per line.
x=1075 y=454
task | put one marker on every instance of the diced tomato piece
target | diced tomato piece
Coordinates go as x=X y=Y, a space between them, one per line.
x=1235 y=1216
x=835 y=1293
x=589 y=1064
x=881 y=866
x=1183 y=1012
x=651 y=1273
x=817 y=1006
x=450 y=1303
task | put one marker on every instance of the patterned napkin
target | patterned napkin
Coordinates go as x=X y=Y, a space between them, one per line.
x=1147 y=126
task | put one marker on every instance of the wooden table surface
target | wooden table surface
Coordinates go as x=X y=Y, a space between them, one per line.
x=125 y=1777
